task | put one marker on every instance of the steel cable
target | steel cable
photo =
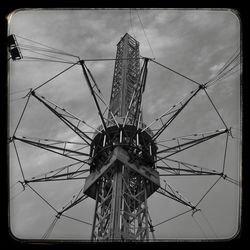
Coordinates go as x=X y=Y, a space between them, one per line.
x=145 y=35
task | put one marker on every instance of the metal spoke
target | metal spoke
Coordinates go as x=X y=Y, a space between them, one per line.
x=173 y=194
x=181 y=168
x=54 y=149
x=172 y=113
x=180 y=147
x=94 y=97
x=62 y=117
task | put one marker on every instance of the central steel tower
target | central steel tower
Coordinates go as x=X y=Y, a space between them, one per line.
x=122 y=171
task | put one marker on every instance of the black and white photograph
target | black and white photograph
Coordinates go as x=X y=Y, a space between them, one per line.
x=124 y=125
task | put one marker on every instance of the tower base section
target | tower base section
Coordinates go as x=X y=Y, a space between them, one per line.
x=121 y=189
x=120 y=155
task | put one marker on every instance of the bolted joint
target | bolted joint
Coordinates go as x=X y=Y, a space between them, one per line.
x=32 y=92
x=224 y=176
x=230 y=132
x=195 y=210
x=23 y=183
x=202 y=86
x=81 y=62
x=151 y=228
x=146 y=58
x=58 y=216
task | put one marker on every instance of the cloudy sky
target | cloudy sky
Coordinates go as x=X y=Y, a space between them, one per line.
x=196 y=43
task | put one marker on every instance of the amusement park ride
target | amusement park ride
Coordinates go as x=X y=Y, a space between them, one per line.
x=123 y=151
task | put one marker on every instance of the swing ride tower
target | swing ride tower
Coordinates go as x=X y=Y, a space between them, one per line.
x=120 y=163
x=122 y=171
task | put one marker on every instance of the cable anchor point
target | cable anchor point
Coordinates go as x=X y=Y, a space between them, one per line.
x=29 y=93
x=202 y=86
x=23 y=183
x=224 y=176
x=58 y=215
x=151 y=227
x=195 y=210
x=81 y=62
x=230 y=132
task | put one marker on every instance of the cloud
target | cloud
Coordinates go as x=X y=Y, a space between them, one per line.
x=98 y=67
x=204 y=21
x=194 y=43
x=215 y=68
x=159 y=42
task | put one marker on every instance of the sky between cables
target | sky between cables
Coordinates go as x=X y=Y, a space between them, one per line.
x=197 y=44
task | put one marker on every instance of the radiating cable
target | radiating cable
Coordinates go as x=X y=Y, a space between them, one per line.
x=41 y=197
x=145 y=34
x=176 y=72
x=55 y=76
x=209 y=224
x=199 y=227
x=237 y=183
x=84 y=222
x=225 y=153
x=222 y=71
x=50 y=229
x=215 y=108
x=131 y=23
x=207 y=191
x=226 y=76
x=172 y=217
x=37 y=59
x=36 y=48
x=18 y=123
x=35 y=52
x=223 y=75
x=230 y=61
x=19 y=161
x=45 y=45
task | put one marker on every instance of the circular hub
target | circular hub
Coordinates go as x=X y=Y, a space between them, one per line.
x=138 y=143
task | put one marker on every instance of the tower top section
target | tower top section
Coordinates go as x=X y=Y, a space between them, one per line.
x=126 y=81
x=130 y=38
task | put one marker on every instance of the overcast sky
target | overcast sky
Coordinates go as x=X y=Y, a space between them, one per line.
x=196 y=43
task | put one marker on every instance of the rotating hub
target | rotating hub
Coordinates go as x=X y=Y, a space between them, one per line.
x=137 y=143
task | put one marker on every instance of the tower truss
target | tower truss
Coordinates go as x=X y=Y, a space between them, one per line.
x=116 y=183
x=122 y=161
x=126 y=80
